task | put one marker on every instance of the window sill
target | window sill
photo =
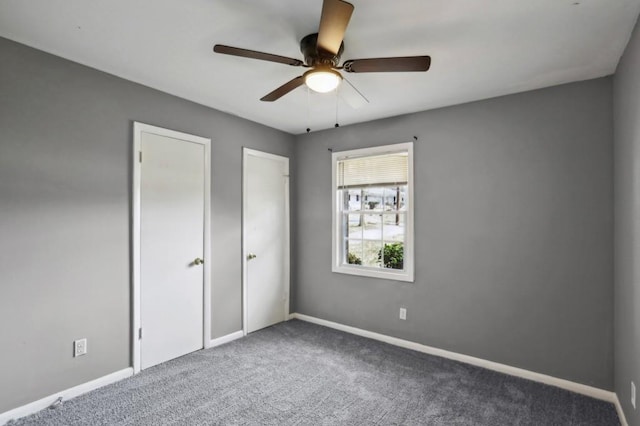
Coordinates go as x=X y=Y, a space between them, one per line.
x=374 y=273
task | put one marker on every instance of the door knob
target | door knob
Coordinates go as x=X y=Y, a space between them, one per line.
x=198 y=261
x=251 y=256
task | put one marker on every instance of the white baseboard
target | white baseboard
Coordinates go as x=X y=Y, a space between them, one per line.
x=225 y=339
x=43 y=403
x=490 y=365
x=621 y=416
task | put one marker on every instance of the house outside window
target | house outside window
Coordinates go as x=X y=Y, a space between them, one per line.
x=373 y=212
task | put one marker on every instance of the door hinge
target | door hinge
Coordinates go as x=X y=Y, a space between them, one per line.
x=140 y=333
x=140 y=156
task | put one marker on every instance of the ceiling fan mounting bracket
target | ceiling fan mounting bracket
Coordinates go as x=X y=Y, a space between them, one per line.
x=314 y=56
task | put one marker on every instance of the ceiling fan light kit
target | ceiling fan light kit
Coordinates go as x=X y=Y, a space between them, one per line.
x=322 y=80
x=322 y=52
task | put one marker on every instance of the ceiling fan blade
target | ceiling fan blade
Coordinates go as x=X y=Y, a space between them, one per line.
x=283 y=90
x=409 y=63
x=252 y=54
x=352 y=96
x=333 y=24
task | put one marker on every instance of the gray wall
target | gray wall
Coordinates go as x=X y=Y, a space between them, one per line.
x=513 y=230
x=627 y=230
x=65 y=161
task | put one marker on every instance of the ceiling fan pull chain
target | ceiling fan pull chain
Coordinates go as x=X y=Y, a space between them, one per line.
x=337 y=98
x=308 y=111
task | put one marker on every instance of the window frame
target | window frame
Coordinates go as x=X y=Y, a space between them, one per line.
x=337 y=234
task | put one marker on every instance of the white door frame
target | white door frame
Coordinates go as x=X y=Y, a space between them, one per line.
x=138 y=129
x=245 y=252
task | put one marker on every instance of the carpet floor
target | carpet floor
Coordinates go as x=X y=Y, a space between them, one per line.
x=297 y=373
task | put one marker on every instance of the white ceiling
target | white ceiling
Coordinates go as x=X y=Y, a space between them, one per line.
x=479 y=49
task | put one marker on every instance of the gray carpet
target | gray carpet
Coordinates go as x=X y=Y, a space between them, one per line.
x=297 y=373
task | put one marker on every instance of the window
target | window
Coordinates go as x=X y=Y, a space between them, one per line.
x=373 y=214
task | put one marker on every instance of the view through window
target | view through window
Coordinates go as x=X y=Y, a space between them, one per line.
x=372 y=226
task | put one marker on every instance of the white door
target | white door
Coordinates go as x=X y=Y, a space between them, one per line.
x=266 y=239
x=172 y=206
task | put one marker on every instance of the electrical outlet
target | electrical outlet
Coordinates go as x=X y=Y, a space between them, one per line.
x=403 y=313
x=633 y=394
x=79 y=347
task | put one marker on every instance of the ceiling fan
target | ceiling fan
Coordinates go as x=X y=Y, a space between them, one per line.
x=322 y=51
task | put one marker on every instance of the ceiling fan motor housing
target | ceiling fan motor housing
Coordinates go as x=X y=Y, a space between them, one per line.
x=314 y=56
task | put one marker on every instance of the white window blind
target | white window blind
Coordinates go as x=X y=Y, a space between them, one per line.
x=378 y=170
